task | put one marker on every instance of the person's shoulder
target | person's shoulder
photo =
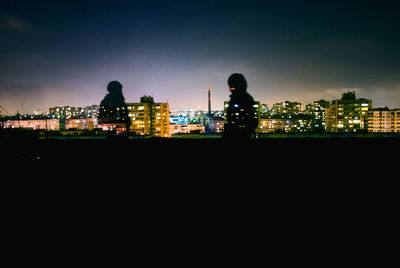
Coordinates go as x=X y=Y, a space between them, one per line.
x=249 y=96
x=246 y=98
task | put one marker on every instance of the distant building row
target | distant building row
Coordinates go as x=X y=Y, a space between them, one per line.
x=67 y=112
x=53 y=124
x=345 y=115
x=147 y=118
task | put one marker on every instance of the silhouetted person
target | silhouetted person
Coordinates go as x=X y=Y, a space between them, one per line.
x=241 y=115
x=113 y=107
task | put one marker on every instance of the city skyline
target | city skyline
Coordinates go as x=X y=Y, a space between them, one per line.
x=348 y=114
x=46 y=110
x=65 y=53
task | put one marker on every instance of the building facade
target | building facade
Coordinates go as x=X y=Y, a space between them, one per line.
x=317 y=115
x=67 y=112
x=348 y=114
x=271 y=125
x=92 y=111
x=384 y=120
x=186 y=128
x=35 y=124
x=53 y=124
x=285 y=125
x=149 y=118
x=286 y=109
x=81 y=124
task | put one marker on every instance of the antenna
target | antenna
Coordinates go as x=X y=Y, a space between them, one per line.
x=209 y=101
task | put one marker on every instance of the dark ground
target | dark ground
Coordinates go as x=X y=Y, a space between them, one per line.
x=345 y=163
x=272 y=155
x=290 y=166
x=271 y=192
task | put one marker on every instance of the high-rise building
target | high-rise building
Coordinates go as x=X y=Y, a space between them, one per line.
x=384 y=120
x=348 y=114
x=264 y=111
x=66 y=112
x=149 y=118
x=317 y=115
x=284 y=125
x=286 y=109
x=270 y=125
x=91 y=111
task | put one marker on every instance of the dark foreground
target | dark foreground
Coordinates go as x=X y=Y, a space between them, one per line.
x=212 y=152
x=270 y=191
x=296 y=167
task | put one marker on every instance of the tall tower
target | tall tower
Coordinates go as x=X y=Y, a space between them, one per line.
x=209 y=116
x=209 y=102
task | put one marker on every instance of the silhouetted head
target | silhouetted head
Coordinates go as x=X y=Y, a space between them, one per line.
x=114 y=87
x=114 y=96
x=237 y=83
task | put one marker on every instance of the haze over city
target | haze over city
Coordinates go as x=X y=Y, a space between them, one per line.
x=57 y=53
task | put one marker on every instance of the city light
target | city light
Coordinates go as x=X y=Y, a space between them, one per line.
x=345 y=115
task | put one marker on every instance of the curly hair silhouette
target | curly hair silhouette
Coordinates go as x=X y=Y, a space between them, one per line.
x=113 y=107
x=114 y=96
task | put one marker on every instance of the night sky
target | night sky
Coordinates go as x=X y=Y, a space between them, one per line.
x=56 y=53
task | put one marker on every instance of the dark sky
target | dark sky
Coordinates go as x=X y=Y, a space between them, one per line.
x=65 y=52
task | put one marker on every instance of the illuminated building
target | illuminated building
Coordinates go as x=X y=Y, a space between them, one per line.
x=66 y=112
x=286 y=109
x=280 y=125
x=149 y=118
x=91 y=111
x=218 y=125
x=35 y=124
x=81 y=124
x=270 y=125
x=348 y=114
x=264 y=109
x=186 y=128
x=299 y=125
x=384 y=120
x=53 y=124
x=317 y=113
x=178 y=120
